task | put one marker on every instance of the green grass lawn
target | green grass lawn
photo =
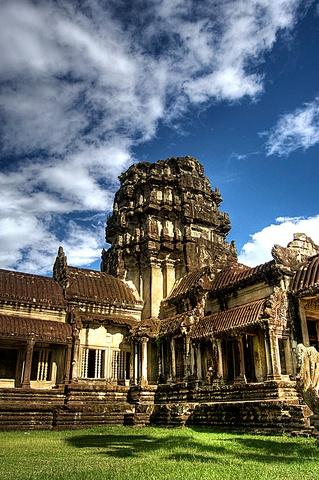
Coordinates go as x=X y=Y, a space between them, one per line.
x=155 y=453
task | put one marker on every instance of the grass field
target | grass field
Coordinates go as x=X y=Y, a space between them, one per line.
x=155 y=453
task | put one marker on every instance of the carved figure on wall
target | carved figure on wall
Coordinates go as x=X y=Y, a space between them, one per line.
x=308 y=376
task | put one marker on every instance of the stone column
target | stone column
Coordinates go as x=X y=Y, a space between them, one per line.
x=132 y=363
x=192 y=360
x=199 y=362
x=220 y=370
x=304 y=326
x=75 y=360
x=169 y=276
x=268 y=357
x=187 y=367
x=274 y=355
x=67 y=364
x=288 y=356
x=144 y=362
x=28 y=363
x=156 y=288
x=159 y=360
x=173 y=359
x=162 y=357
x=242 y=372
x=136 y=347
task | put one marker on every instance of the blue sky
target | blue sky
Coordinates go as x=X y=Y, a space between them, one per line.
x=89 y=87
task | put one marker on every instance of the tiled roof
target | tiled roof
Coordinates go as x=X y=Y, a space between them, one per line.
x=94 y=286
x=148 y=327
x=171 y=325
x=227 y=320
x=306 y=279
x=109 y=318
x=236 y=275
x=28 y=288
x=240 y=274
x=41 y=330
x=187 y=282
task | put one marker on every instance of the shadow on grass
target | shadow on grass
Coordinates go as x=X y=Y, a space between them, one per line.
x=187 y=448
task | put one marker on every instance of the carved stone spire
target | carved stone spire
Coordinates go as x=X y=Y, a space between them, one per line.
x=60 y=269
x=165 y=223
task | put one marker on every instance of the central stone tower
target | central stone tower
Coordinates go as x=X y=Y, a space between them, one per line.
x=165 y=224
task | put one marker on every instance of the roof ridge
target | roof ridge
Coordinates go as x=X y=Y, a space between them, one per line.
x=18 y=272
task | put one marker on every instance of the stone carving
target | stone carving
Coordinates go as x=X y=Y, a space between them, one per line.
x=308 y=376
x=308 y=380
x=276 y=309
x=138 y=204
x=300 y=248
x=60 y=269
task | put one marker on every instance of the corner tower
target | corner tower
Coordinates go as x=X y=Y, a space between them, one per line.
x=165 y=224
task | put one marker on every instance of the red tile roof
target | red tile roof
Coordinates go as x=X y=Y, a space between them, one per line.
x=41 y=330
x=306 y=279
x=109 y=318
x=236 y=275
x=239 y=275
x=94 y=286
x=228 y=320
x=188 y=282
x=148 y=327
x=171 y=325
x=28 y=288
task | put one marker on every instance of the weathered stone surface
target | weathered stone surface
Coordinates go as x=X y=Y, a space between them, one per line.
x=165 y=223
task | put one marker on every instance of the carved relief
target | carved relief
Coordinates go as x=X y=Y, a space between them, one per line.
x=308 y=376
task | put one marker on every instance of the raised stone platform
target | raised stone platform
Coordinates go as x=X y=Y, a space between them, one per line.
x=271 y=407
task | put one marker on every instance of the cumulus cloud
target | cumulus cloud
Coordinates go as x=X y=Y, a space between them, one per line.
x=299 y=129
x=81 y=86
x=258 y=249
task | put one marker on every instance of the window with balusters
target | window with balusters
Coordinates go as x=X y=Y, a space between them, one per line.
x=110 y=364
x=41 y=370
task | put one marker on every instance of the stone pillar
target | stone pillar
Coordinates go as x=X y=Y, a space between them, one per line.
x=288 y=356
x=162 y=357
x=28 y=363
x=242 y=372
x=220 y=370
x=67 y=364
x=156 y=288
x=136 y=346
x=168 y=276
x=132 y=363
x=173 y=359
x=159 y=360
x=268 y=356
x=144 y=362
x=192 y=360
x=304 y=326
x=199 y=362
x=274 y=355
x=75 y=360
x=187 y=366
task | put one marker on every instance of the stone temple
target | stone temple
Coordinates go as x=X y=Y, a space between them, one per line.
x=173 y=330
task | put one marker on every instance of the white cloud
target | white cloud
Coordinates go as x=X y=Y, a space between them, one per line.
x=258 y=249
x=80 y=86
x=299 y=129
